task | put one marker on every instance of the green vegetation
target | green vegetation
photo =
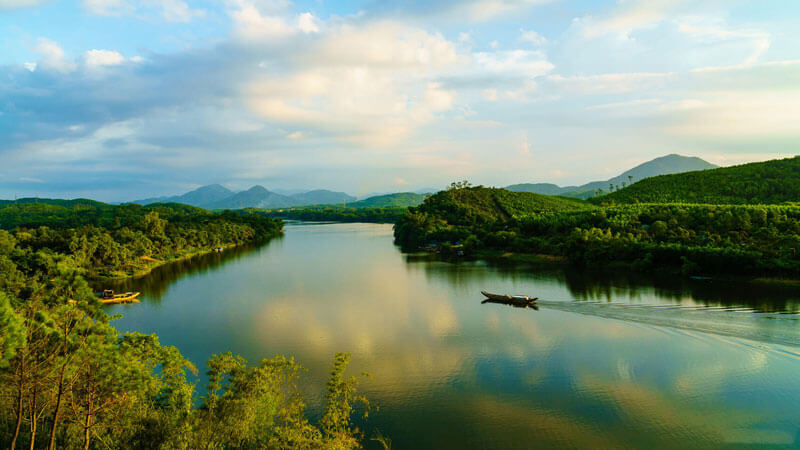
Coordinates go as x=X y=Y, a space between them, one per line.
x=379 y=209
x=338 y=214
x=113 y=241
x=694 y=239
x=769 y=182
x=397 y=200
x=68 y=379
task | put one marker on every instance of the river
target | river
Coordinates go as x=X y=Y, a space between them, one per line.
x=607 y=361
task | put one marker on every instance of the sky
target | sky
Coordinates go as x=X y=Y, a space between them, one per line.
x=123 y=99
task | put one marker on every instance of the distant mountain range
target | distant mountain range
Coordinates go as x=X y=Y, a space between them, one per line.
x=664 y=165
x=215 y=196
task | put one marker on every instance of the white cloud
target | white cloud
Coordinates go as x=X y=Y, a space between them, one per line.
x=18 y=4
x=384 y=45
x=531 y=36
x=170 y=10
x=294 y=136
x=108 y=7
x=525 y=63
x=713 y=34
x=729 y=114
x=628 y=16
x=250 y=23
x=178 y=11
x=373 y=84
x=611 y=83
x=482 y=10
x=99 y=58
x=52 y=57
x=307 y=23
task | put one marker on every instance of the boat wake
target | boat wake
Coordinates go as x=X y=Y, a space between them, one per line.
x=741 y=322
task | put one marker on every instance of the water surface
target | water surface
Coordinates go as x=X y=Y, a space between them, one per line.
x=608 y=361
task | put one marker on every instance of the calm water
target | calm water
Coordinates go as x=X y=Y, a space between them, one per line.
x=606 y=362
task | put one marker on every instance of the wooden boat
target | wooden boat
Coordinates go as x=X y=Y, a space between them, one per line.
x=108 y=297
x=510 y=299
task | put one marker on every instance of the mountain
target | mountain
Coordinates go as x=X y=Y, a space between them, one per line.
x=215 y=196
x=400 y=199
x=664 y=165
x=200 y=197
x=204 y=195
x=255 y=197
x=321 y=197
x=541 y=188
x=769 y=182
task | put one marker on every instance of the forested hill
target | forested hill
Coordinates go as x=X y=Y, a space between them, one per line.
x=396 y=200
x=467 y=205
x=122 y=240
x=694 y=239
x=769 y=182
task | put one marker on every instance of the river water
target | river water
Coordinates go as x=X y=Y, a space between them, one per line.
x=607 y=361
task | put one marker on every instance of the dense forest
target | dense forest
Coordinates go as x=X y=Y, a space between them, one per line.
x=692 y=238
x=110 y=240
x=769 y=182
x=338 y=214
x=68 y=379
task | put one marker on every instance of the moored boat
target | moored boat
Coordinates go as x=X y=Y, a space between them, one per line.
x=109 y=297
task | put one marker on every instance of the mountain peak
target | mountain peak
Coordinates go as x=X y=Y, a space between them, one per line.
x=663 y=165
x=258 y=189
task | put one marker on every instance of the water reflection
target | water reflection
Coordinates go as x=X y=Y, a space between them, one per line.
x=155 y=284
x=450 y=372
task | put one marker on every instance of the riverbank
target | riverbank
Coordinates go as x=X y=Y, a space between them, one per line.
x=149 y=264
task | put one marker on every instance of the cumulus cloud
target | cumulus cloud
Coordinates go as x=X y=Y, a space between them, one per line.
x=169 y=10
x=52 y=57
x=18 y=4
x=97 y=58
x=531 y=36
x=108 y=7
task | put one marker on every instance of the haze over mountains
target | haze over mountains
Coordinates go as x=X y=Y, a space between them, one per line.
x=664 y=165
x=216 y=196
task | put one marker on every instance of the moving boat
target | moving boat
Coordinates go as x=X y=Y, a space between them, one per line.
x=108 y=297
x=510 y=299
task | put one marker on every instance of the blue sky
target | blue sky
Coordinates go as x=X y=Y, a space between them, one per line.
x=123 y=99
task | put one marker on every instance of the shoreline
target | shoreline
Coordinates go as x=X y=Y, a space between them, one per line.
x=151 y=264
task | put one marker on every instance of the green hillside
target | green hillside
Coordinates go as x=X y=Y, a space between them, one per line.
x=468 y=205
x=462 y=213
x=769 y=182
x=397 y=200
x=688 y=238
x=54 y=213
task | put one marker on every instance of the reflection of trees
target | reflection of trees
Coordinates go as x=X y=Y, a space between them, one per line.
x=594 y=285
x=154 y=285
x=613 y=285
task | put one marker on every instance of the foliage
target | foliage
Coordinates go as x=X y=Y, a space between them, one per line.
x=690 y=238
x=396 y=200
x=69 y=379
x=770 y=182
x=339 y=214
x=107 y=239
